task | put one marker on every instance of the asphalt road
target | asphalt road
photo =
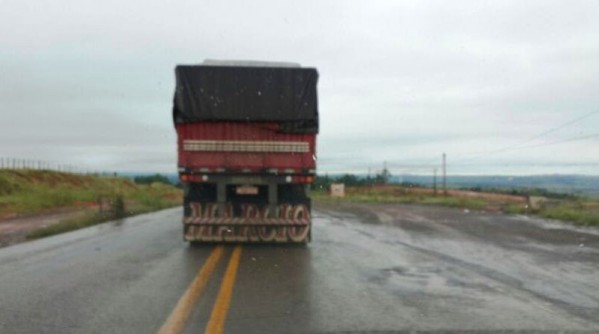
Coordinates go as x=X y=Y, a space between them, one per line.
x=370 y=268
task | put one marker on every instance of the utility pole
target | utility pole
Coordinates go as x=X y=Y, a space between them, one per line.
x=435 y=181
x=385 y=173
x=444 y=175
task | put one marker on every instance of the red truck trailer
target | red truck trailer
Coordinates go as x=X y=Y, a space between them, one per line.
x=246 y=137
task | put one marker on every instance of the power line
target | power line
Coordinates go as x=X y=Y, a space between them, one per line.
x=567 y=140
x=562 y=141
x=546 y=132
x=559 y=127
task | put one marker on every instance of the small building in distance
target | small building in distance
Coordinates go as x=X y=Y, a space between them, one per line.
x=337 y=190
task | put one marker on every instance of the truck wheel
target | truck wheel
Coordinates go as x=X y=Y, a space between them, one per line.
x=269 y=232
x=196 y=209
x=299 y=233
x=251 y=231
x=207 y=231
x=246 y=231
x=225 y=233
x=286 y=213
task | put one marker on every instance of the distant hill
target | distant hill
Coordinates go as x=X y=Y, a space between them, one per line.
x=585 y=185
x=571 y=184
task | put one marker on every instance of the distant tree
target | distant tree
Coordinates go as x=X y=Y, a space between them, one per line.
x=321 y=182
x=349 y=180
x=383 y=177
x=148 y=179
x=118 y=207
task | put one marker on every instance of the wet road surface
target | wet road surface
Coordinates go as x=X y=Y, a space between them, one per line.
x=370 y=268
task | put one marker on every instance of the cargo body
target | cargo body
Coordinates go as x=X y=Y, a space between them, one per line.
x=244 y=147
x=246 y=139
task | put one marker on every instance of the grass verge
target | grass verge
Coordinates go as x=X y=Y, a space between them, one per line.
x=105 y=198
x=66 y=226
x=96 y=218
x=398 y=196
x=576 y=216
x=154 y=197
x=576 y=210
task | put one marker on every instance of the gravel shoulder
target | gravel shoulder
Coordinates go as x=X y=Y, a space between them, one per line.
x=15 y=230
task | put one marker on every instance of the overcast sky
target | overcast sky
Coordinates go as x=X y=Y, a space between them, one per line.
x=90 y=83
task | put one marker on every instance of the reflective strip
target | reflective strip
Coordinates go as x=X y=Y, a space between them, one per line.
x=249 y=221
x=247 y=234
x=246 y=146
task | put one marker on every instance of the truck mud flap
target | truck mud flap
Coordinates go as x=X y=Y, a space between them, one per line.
x=288 y=224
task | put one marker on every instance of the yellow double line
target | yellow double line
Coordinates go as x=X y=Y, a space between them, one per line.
x=175 y=323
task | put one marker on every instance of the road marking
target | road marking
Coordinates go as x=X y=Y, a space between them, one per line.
x=176 y=321
x=216 y=324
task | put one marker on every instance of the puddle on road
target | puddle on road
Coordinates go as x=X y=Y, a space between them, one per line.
x=429 y=281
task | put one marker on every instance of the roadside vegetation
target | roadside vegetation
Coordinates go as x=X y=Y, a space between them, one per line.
x=580 y=211
x=570 y=208
x=102 y=198
x=149 y=179
x=397 y=194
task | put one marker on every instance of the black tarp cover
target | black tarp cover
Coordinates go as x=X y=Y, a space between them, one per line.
x=233 y=93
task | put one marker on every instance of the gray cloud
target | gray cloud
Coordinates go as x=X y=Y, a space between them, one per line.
x=91 y=82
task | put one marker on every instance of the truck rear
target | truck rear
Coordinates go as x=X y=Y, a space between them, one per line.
x=246 y=138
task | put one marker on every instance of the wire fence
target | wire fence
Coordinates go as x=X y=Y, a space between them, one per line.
x=10 y=163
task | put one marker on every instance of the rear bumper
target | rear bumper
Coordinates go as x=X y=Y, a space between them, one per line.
x=243 y=230
x=247 y=222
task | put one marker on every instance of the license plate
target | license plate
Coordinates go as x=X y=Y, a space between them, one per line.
x=246 y=190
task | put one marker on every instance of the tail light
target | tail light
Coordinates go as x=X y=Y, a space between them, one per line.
x=302 y=179
x=193 y=178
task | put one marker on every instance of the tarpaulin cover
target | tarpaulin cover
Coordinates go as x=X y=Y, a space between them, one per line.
x=232 y=93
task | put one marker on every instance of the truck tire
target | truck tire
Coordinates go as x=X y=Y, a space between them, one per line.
x=267 y=233
x=299 y=233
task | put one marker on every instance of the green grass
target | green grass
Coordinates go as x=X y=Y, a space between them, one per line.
x=517 y=209
x=66 y=226
x=399 y=195
x=29 y=191
x=32 y=191
x=576 y=210
x=96 y=218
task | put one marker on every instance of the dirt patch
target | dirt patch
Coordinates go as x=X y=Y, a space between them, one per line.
x=14 y=230
x=451 y=192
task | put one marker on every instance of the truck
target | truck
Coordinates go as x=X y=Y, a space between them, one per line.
x=246 y=143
